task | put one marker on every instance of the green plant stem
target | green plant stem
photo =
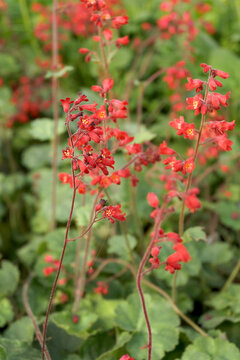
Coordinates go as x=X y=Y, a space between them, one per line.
x=28 y=26
x=81 y=281
x=55 y=113
x=232 y=276
x=31 y=316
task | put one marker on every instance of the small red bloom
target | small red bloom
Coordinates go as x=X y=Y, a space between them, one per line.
x=66 y=104
x=189 y=131
x=126 y=357
x=114 y=213
x=153 y=199
x=83 y=50
x=122 y=41
x=188 y=166
x=68 y=153
x=164 y=150
x=119 y=21
x=102 y=288
x=194 y=84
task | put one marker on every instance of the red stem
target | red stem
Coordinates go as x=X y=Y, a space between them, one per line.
x=62 y=255
x=139 y=279
x=55 y=111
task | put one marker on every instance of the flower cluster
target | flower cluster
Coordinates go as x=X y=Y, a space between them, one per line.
x=181 y=254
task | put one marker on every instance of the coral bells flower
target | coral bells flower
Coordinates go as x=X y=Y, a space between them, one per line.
x=66 y=104
x=107 y=86
x=188 y=166
x=181 y=255
x=189 y=131
x=153 y=199
x=102 y=288
x=164 y=150
x=126 y=357
x=196 y=103
x=114 y=213
x=194 y=84
x=191 y=200
x=119 y=21
x=122 y=41
x=68 y=153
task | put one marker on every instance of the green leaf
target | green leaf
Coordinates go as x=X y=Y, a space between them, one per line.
x=22 y=330
x=82 y=215
x=121 y=245
x=64 y=320
x=105 y=310
x=143 y=135
x=229 y=214
x=8 y=65
x=36 y=156
x=3 y=355
x=59 y=73
x=214 y=318
x=205 y=348
x=195 y=233
x=16 y=350
x=164 y=323
x=43 y=129
x=217 y=253
x=122 y=339
x=6 y=312
x=9 y=276
x=228 y=299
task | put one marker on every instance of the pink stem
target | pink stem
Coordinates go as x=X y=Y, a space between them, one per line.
x=139 y=279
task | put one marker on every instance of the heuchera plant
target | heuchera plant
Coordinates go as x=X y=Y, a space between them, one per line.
x=94 y=137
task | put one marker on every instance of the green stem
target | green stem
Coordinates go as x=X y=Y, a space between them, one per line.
x=28 y=26
x=232 y=276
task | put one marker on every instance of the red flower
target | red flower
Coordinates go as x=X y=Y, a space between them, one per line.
x=119 y=21
x=188 y=166
x=189 y=131
x=102 y=288
x=49 y=270
x=66 y=104
x=122 y=41
x=155 y=251
x=65 y=178
x=164 y=150
x=68 y=153
x=194 y=84
x=153 y=199
x=83 y=50
x=196 y=103
x=181 y=255
x=107 y=86
x=126 y=357
x=114 y=213
x=191 y=200
x=107 y=33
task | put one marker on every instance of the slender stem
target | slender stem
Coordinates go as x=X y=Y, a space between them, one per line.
x=232 y=276
x=142 y=88
x=28 y=26
x=139 y=278
x=152 y=286
x=55 y=112
x=62 y=254
x=80 y=284
x=105 y=62
x=31 y=316
x=189 y=180
x=181 y=218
